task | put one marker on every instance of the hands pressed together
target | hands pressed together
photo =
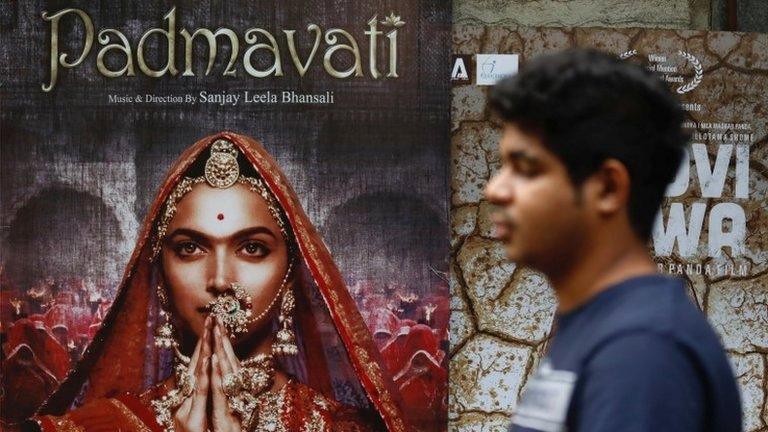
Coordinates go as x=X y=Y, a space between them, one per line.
x=207 y=407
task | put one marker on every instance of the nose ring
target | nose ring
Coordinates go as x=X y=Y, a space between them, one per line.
x=233 y=309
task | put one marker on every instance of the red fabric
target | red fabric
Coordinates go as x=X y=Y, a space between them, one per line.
x=420 y=337
x=413 y=357
x=125 y=413
x=59 y=314
x=37 y=318
x=27 y=382
x=93 y=329
x=312 y=347
x=48 y=351
x=422 y=380
x=424 y=391
x=66 y=298
x=394 y=353
x=302 y=406
x=75 y=318
x=144 y=413
x=47 y=424
x=101 y=312
x=385 y=321
x=410 y=340
x=81 y=321
x=7 y=311
x=442 y=313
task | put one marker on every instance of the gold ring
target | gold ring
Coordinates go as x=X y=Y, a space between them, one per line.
x=231 y=385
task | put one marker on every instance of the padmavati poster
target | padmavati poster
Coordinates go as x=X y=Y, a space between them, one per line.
x=246 y=198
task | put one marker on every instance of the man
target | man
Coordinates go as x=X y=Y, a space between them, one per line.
x=589 y=144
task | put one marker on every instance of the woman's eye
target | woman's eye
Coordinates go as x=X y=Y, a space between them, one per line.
x=188 y=248
x=254 y=249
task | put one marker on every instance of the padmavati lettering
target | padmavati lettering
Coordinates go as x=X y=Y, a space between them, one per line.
x=255 y=42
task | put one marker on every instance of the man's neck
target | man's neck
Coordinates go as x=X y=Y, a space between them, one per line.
x=598 y=270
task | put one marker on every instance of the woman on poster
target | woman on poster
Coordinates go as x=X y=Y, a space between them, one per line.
x=253 y=326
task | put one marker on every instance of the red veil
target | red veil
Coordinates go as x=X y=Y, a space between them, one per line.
x=337 y=357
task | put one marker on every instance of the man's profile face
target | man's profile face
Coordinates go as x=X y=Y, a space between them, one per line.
x=539 y=217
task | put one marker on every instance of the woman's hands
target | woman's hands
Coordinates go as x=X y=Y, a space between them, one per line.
x=212 y=359
x=192 y=413
x=223 y=362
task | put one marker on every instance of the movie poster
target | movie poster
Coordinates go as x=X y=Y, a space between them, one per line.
x=711 y=230
x=136 y=137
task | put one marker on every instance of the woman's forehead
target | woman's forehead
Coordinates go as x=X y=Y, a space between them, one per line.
x=221 y=211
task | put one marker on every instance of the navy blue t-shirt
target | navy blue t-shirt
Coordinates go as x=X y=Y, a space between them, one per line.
x=638 y=357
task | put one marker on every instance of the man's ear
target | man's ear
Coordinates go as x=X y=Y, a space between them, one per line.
x=609 y=187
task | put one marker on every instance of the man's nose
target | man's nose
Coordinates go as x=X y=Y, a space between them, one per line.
x=498 y=190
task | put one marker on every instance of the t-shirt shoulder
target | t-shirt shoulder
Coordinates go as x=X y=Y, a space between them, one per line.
x=659 y=305
x=640 y=381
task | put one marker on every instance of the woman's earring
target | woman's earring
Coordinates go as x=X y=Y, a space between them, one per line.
x=165 y=337
x=285 y=340
x=165 y=333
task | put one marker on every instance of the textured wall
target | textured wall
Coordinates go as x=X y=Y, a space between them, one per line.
x=751 y=15
x=603 y=13
x=502 y=315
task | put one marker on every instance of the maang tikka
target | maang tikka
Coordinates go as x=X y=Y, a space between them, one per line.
x=221 y=171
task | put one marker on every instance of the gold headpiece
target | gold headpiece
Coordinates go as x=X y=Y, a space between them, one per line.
x=221 y=171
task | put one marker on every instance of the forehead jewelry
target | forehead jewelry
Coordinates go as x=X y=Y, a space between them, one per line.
x=234 y=307
x=221 y=169
x=221 y=172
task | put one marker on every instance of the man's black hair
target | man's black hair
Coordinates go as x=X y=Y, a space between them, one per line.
x=588 y=106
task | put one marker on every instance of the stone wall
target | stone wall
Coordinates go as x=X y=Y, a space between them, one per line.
x=684 y=14
x=502 y=315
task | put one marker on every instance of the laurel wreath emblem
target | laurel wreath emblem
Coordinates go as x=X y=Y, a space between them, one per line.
x=627 y=54
x=697 y=68
x=698 y=72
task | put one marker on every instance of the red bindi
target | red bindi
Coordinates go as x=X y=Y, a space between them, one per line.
x=220 y=216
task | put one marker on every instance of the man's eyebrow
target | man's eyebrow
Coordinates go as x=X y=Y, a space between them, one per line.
x=513 y=155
